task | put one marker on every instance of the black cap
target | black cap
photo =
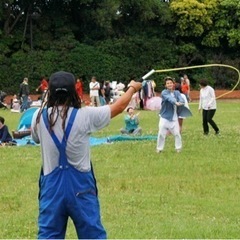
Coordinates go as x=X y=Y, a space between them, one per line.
x=62 y=81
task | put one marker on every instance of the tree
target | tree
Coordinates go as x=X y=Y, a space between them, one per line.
x=216 y=22
x=11 y=13
x=114 y=39
x=225 y=30
x=193 y=16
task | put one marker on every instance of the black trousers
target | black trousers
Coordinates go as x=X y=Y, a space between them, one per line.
x=207 y=117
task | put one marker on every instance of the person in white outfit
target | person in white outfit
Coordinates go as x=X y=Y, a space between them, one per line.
x=94 y=87
x=171 y=100
x=207 y=103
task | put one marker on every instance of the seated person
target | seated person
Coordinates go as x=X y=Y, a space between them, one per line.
x=15 y=104
x=5 y=136
x=132 y=122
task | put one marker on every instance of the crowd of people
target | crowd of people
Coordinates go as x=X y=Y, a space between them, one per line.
x=174 y=98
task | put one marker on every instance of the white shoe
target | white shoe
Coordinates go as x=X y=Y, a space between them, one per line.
x=178 y=150
x=158 y=151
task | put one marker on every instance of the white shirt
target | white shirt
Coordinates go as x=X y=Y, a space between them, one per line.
x=88 y=120
x=207 y=99
x=94 y=93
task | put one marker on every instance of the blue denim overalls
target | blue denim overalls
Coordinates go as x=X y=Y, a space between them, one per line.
x=67 y=192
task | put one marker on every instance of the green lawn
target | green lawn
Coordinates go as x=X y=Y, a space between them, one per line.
x=193 y=194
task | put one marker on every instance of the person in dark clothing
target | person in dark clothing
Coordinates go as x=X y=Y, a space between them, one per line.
x=23 y=94
x=101 y=93
x=107 y=90
x=2 y=103
x=5 y=136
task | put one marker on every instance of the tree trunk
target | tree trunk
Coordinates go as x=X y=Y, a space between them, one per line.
x=11 y=21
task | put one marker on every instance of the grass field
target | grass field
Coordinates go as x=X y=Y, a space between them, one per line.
x=193 y=194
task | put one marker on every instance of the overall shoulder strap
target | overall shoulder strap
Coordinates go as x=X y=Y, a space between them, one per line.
x=68 y=129
x=61 y=146
x=52 y=134
x=70 y=122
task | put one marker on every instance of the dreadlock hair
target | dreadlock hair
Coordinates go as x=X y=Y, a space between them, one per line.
x=56 y=99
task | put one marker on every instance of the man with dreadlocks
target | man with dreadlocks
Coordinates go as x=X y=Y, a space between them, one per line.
x=67 y=183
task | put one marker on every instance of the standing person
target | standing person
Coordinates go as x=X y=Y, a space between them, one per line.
x=43 y=87
x=185 y=88
x=101 y=93
x=171 y=100
x=5 y=136
x=94 y=87
x=67 y=183
x=131 y=123
x=107 y=92
x=207 y=103
x=187 y=81
x=180 y=118
x=79 y=88
x=2 y=97
x=23 y=94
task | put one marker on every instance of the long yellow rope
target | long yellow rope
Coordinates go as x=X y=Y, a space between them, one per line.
x=204 y=66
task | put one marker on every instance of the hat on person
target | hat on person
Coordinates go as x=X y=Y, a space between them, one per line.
x=62 y=82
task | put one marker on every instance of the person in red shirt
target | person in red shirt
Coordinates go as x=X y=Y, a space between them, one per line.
x=43 y=87
x=185 y=88
x=79 y=88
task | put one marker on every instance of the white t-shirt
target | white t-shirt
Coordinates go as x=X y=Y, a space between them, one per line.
x=94 y=93
x=88 y=120
x=207 y=99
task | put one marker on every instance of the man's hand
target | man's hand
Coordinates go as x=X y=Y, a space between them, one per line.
x=135 y=85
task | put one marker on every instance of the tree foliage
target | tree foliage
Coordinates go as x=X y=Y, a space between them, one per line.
x=226 y=27
x=116 y=39
x=193 y=16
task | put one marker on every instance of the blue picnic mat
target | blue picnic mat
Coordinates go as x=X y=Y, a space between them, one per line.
x=95 y=141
